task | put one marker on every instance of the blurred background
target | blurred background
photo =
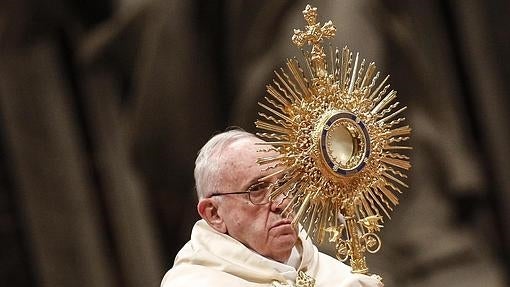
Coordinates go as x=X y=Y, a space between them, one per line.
x=104 y=105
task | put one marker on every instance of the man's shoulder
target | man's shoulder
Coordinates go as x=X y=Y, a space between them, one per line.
x=184 y=275
x=335 y=264
x=196 y=275
x=332 y=271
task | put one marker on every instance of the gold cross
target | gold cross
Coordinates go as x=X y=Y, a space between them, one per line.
x=314 y=33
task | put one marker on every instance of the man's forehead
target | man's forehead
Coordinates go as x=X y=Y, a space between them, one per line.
x=243 y=154
x=249 y=149
x=240 y=152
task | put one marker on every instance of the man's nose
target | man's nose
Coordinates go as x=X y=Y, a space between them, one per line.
x=279 y=203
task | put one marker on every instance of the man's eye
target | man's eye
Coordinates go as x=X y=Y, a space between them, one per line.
x=259 y=186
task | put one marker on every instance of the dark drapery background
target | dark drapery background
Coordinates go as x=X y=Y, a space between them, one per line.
x=104 y=105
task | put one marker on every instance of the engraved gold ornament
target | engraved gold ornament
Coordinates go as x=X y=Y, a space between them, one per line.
x=340 y=139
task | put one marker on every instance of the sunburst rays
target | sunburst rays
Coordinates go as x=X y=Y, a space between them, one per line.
x=293 y=118
x=299 y=108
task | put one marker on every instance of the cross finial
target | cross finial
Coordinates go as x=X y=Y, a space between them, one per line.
x=313 y=35
x=310 y=14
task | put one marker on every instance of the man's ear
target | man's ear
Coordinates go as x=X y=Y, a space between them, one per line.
x=208 y=210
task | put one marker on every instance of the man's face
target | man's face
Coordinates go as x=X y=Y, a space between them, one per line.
x=259 y=227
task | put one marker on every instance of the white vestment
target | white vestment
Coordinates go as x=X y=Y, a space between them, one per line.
x=211 y=258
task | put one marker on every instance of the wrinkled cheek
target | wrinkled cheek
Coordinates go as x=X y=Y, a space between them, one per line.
x=236 y=220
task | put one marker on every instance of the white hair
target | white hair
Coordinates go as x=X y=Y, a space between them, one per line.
x=208 y=161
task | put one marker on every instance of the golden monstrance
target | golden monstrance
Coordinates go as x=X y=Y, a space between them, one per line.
x=339 y=135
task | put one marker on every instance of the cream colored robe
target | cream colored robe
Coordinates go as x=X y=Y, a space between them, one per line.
x=215 y=259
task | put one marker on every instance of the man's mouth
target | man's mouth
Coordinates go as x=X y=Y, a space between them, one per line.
x=284 y=221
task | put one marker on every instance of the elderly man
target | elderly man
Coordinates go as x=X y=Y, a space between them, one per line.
x=242 y=238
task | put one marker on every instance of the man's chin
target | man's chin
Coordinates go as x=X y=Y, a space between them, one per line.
x=284 y=245
x=287 y=239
